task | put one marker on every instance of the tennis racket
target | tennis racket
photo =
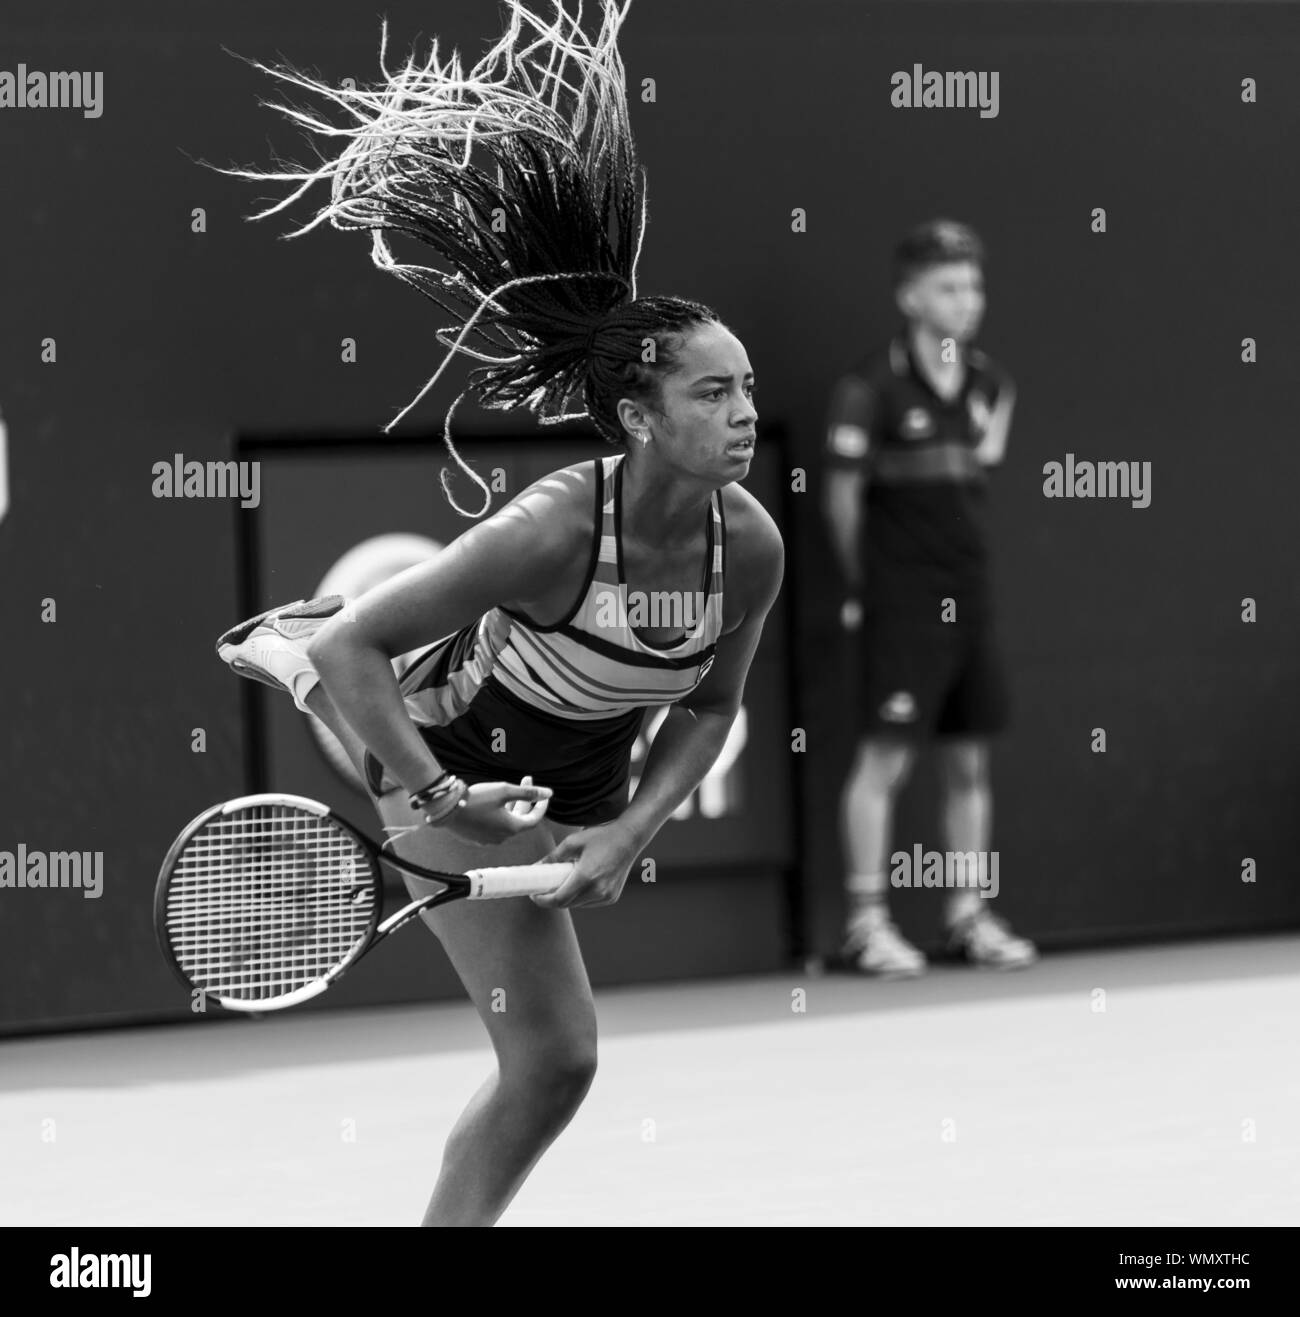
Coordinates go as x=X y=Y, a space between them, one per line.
x=264 y=901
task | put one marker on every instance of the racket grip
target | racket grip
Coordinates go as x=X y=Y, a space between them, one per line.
x=516 y=880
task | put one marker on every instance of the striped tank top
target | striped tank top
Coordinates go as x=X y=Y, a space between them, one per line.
x=590 y=665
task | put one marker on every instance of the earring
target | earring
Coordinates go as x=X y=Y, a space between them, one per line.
x=645 y=438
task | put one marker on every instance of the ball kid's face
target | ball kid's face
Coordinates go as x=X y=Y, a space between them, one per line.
x=706 y=420
x=947 y=299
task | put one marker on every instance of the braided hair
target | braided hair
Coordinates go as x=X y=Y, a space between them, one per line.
x=519 y=179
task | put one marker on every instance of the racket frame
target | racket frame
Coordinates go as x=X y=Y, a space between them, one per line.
x=308 y=990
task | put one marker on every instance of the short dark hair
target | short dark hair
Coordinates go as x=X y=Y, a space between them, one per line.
x=936 y=242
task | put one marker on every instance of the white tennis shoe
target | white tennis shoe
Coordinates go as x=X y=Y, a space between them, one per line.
x=272 y=647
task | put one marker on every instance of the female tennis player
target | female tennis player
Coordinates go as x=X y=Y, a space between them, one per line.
x=511 y=732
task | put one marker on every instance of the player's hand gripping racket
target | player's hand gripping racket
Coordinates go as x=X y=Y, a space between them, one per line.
x=264 y=901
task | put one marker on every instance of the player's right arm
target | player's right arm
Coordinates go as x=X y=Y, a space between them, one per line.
x=515 y=557
x=848 y=451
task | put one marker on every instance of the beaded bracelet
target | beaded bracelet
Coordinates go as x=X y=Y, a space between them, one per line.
x=446 y=787
x=435 y=788
x=453 y=804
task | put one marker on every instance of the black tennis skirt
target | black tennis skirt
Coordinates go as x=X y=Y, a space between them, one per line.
x=499 y=738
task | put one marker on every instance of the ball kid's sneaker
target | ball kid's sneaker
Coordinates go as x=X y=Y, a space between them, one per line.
x=986 y=940
x=874 y=946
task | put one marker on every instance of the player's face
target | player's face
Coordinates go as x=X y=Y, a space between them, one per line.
x=947 y=299
x=707 y=422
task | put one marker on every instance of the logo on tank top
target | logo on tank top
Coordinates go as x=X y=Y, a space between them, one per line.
x=917 y=423
x=704 y=667
x=900 y=707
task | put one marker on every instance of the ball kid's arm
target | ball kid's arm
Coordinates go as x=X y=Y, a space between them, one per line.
x=993 y=446
x=849 y=447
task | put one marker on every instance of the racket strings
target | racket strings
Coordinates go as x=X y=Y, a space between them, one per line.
x=267 y=900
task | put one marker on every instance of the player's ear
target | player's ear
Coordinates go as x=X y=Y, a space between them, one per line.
x=634 y=415
x=905 y=298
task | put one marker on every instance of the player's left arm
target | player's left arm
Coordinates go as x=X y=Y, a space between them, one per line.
x=691 y=737
x=993 y=447
x=693 y=732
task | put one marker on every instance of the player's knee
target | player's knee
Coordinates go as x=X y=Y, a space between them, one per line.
x=570 y=1067
x=555 y=1076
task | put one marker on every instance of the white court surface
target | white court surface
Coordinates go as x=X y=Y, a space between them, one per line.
x=964 y=1098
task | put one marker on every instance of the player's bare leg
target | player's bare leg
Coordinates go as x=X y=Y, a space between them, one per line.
x=523 y=971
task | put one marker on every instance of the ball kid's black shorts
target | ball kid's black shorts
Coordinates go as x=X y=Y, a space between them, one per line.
x=921 y=678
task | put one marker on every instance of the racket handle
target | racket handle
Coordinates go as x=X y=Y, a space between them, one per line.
x=516 y=880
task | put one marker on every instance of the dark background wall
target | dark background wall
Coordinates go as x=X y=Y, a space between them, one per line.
x=1125 y=347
